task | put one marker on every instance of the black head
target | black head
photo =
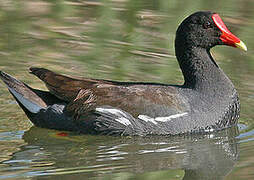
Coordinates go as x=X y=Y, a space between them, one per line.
x=194 y=37
x=205 y=29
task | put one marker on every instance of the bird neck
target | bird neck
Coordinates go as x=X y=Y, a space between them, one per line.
x=199 y=69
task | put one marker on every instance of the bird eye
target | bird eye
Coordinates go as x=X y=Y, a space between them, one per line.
x=207 y=25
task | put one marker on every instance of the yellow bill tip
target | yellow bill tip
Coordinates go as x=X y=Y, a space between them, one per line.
x=241 y=45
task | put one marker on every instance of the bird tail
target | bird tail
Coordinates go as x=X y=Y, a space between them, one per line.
x=28 y=99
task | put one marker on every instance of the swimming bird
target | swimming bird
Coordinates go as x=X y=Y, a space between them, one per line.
x=207 y=100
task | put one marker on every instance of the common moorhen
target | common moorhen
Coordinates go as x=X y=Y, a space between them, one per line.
x=207 y=100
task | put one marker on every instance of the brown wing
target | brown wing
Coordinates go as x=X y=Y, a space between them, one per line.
x=82 y=104
x=63 y=87
x=140 y=98
x=86 y=94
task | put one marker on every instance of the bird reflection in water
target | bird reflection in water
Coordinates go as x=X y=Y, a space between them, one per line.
x=206 y=156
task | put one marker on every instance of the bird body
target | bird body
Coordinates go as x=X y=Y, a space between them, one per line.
x=207 y=100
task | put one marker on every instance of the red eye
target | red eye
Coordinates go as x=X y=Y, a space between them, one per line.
x=207 y=25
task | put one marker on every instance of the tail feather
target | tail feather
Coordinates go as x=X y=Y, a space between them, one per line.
x=41 y=73
x=23 y=94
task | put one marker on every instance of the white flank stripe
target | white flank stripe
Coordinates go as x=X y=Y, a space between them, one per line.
x=147 y=119
x=32 y=107
x=123 y=121
x=161 y=119
x=116 y=112
x=209 y=130
x=112 y=111
x=168 y=118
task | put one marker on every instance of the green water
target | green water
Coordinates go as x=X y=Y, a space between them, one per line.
x=127 y=40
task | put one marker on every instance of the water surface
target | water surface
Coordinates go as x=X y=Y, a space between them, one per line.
x=125 y=40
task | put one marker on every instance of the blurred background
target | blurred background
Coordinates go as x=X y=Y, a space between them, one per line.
x=125 y=40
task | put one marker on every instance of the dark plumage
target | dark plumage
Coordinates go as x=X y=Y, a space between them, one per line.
x=207 y=100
